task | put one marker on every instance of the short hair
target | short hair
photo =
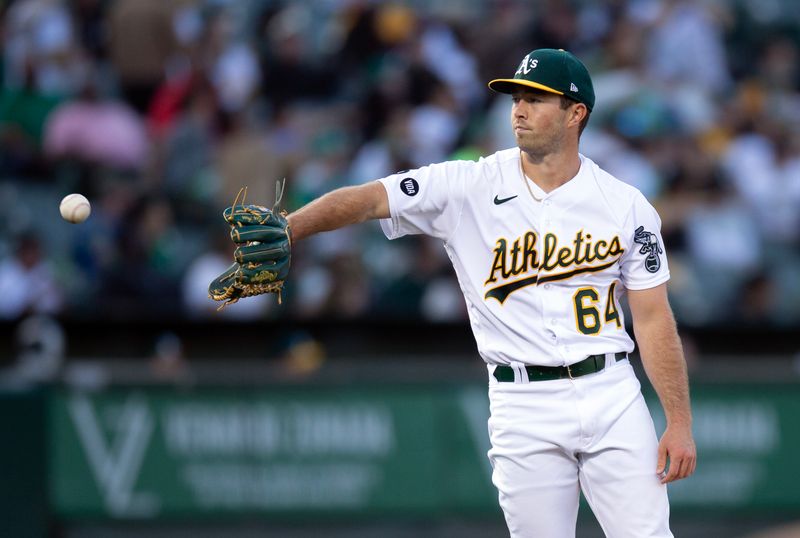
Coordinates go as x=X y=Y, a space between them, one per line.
x=565 y=104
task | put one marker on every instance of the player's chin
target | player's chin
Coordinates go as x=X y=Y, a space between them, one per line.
x=530 y=146
x=523 y=141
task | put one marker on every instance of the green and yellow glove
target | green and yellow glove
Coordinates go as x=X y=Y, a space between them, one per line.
x=262 y=256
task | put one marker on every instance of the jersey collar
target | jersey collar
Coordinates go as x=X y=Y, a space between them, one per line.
x=569 y=189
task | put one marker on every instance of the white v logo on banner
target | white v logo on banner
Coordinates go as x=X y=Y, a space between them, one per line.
x=116 y=463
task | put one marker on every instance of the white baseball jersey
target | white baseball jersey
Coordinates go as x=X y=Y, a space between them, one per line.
x=542 y=279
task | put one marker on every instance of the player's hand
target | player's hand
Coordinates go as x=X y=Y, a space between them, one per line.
x=677 y=446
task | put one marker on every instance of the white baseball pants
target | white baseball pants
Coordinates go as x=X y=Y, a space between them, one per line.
x=550 y=438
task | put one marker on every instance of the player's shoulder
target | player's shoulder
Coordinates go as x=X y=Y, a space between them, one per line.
x=500 y=163
x=501 y=157
x=486 y=162
x=485 y=167
x=616 y=192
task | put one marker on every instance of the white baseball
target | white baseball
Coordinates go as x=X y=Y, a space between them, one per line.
x=75 y=208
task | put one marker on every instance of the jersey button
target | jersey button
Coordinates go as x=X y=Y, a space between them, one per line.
x=546 y=202
x=553 y=321
x=547 y=286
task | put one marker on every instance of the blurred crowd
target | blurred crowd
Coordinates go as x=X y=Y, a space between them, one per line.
x=160 y=110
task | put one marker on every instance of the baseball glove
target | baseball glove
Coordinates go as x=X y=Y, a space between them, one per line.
x=263 y=251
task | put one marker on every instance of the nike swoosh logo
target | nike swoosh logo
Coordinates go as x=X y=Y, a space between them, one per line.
x=498 y=201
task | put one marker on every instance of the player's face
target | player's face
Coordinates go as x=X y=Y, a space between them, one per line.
x=538 y=121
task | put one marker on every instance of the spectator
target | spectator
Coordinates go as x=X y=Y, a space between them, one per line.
x=23 y=114
x=763 y=165
x=142 y=44
x=97 y=131
x=145 y=273
x=27 y=282
x=41 y=50
x=686 y=30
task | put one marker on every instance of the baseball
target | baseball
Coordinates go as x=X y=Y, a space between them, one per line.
x=75 y=208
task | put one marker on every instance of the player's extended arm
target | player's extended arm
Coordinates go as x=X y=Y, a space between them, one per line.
x=662 y=357
x=264 y=237
x=348 y=205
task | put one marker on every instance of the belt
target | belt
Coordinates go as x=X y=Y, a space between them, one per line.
x=589 y=365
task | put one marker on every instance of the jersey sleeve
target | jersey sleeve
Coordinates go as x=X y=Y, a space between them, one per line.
x=427 y=200
x=644 y=264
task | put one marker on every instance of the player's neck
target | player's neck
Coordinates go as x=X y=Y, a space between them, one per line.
x=552 y=170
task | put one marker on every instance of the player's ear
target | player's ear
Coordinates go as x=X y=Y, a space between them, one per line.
x=577 y=112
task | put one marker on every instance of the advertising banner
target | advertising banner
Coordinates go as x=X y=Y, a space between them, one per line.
x=344 y=451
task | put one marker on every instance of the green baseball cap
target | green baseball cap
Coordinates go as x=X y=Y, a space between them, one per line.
x=551 y=70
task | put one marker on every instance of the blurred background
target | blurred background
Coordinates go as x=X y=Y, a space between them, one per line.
x=132 y=407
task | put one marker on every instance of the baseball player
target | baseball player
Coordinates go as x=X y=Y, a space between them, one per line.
x=545 y=244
